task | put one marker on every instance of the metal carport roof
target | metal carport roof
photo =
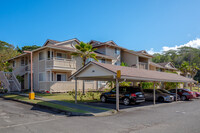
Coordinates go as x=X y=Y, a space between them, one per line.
x=108 y=72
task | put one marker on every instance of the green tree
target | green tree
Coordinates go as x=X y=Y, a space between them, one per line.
x=7 y=51
x=27 y=48
x=185 y=68
x=85 y=51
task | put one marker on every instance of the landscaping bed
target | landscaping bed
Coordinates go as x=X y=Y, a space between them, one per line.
x=70 y=96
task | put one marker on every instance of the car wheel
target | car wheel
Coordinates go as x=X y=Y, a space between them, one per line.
x=161 y=99
x=103 y=99
x=126 y=101
x=183 y=98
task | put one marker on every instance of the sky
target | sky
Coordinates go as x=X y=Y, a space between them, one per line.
x=152 y=25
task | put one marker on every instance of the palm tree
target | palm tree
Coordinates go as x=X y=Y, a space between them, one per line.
x=85 y=51
x=185 y=68
x=193 y=69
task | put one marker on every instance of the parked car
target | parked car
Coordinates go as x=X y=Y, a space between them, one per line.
x=170 y=93
x=127 y=95
x=197 y=93
x=185 y=94
x=160 y=96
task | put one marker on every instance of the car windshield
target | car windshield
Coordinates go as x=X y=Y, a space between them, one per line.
x=164 y=91
x=186 y=89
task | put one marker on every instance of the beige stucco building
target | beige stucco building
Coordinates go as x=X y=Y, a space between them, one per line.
x=53 y=64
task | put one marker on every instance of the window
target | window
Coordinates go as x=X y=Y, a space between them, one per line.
x=61 y=55
x=102 y=61
x=117 y=51
x=13 y=63
x=61 y=77
x=89 y=59
x=26 y=60
x=117 y=63
x=41 y=56
x=42 y=77
x=22 y=61
x=48 y=54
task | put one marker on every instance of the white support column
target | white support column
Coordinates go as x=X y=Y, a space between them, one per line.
x=176 y=91
x=83 y=87
x=154 y=93
x=50 y=54
x=75 y=90
x=97 y=85
x=50 y=75
x=117 y=94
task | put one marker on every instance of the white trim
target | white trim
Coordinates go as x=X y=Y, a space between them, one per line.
x=71 y=40
x=61 y=78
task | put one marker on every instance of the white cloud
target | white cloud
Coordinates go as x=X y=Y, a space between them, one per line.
x=194 y=43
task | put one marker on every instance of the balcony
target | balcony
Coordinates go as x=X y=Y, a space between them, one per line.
x=61 y=63
x=143 y=65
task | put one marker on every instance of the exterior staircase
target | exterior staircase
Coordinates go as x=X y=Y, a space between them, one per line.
x=10 y=81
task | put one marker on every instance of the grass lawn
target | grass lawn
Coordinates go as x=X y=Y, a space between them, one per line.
x=69 y=98
x=26 y=99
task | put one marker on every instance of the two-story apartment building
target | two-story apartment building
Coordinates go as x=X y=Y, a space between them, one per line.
x=53 y=64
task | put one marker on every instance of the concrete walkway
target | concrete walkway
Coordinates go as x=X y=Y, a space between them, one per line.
x=92 y=109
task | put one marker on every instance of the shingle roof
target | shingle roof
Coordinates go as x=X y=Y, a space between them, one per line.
x=74 y=50
x=155 y=64
x=142 y=74
x=164 y=65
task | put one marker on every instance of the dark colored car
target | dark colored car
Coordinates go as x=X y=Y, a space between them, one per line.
x=161 y=97
x=127 y=95
x=170 y=93
x=185 y=94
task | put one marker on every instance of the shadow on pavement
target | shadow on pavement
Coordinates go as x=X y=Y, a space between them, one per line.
x=112 y=105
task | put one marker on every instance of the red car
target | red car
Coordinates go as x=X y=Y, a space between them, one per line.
x=197 y=94
x=185 y=94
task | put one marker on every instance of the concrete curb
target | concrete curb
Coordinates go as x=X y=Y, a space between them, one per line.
x=150 y=106
x=68 y=113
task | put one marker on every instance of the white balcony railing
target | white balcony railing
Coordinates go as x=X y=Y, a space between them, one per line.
x=143 y=65
x=61 y=63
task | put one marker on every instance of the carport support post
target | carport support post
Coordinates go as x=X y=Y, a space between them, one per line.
x=75 y=90
x=176 y=91
x=154 y=93
x=117 y=94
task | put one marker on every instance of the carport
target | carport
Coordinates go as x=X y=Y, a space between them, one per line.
x=107 y=72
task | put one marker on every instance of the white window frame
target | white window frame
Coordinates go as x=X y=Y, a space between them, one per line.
x=14 y=64
x=44 y=78
x=23 y=61
x=39 y=55
x=61 y=77
x=117 y=51
x=62 y=53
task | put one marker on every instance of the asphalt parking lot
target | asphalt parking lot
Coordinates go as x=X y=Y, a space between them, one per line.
x=112 y=105
x=182 y=117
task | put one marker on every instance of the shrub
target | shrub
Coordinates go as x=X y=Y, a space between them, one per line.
x=5 y=90
x=81 y=96
x=91 y=94
x=149 y=85
x=170 y=85
x=19 y=78
x=72 y=93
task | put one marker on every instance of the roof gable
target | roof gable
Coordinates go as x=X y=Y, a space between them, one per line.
x=128 y=73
